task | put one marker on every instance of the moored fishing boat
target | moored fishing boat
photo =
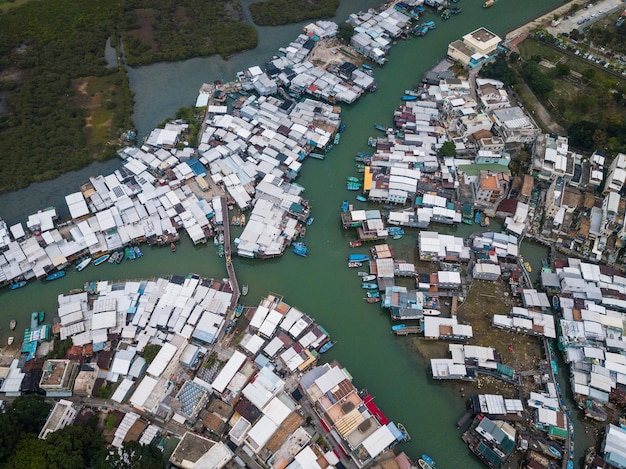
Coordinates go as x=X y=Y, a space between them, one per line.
x=172 y=247
x=431 y=312
x=353 y=186
x=244 y=289
x=352 y=179
x=41 y=316
x=83 y=263
x=353 y=264
x=361 y=198
x=327 y=346
x=362 y=274
x=102 y=259
x=369 y=286
x=398 y=327
x=488 y=3
x=356 y=244
x=373 y=294
x=138 y=252
x=34 y=320
x=129 y=253
x=337 y=138
x=409 y=97
x=10 y=340
x=477 y=217
x=12 y=324
x=238 y=311
x=555 y=302
x=544 y=262
x=16 y=285
x=404 y=431
x=423 y=464
x=368 y=278
x=300 y=249
x=379 y=127
x=528 y=267
x=358 y=258
x=309 y=221
x=344 y=206
x=428 y=460
x=120 y=257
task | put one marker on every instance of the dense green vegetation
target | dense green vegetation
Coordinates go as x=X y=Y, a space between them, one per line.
x=73 y=447
x=584 y=98
x=168 y=30
x=277 y=12
x=60 y=106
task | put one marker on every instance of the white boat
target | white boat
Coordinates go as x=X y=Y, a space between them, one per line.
x=368 y=278
x=84 y=263
x=244 y=289
x=10 y=341
x=432 y=312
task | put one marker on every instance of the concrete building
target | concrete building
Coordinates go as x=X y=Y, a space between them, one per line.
x=474 y=48
x=514 y=125
x=63 y=414
x=617 y=174
x=58 y=376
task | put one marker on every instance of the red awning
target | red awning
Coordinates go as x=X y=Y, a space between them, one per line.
x=373 y=408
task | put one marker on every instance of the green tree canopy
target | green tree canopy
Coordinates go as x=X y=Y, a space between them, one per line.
x=447 y=149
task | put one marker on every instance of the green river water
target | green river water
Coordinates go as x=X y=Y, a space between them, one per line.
x=320 y=285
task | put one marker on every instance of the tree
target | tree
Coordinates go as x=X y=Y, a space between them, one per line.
x=345 y=33
x=149 y=352
x=447 y=149
x=581 y=134
x=561 y=70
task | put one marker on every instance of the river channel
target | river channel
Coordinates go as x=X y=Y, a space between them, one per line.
x=321 y=284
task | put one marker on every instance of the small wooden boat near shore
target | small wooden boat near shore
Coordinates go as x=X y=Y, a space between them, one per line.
x=10 y=340
x=12 y=324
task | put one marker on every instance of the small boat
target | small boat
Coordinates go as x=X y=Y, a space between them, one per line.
x=358 y=258
x=373 y=299
x=16 y=285
x=368 y=278
x=317 y=156
x=300 y=249
x=488 y=3
x=102 y=259
x=220 y=238
x=431 y=312
x=429 y=25
x=129 y=253
x=354 y=265
x=238 y=311
x=427 y=459
x=477 y=217
x=342 y=127
x=423 y=464
x=397 y=236
x=10 y=340
x=395 y=230
x=398 y=327
x=242 y=219
x=12 y=324
x=409 y=97
x=172 y=247
x=138 y=252
x=366 y=67
x=34 y=320
x=528 y=267
x=113 y=257
x=380 y=127
x=369 y=286
x=234 y=220
x=356 y=244
x=455 y=10
x=353 y=186
x=120 y=257
x=309 y=221
x=361 y=198
x=41 y=316
x=404 y=431
x=373 y=294
x=555 y=452
x=244 y=289
x=352 y=179
x=84 y=263
x=337 y=139
x=344 y=206
x=363 y=155
x=544 y=262
x=555 y=302
x=327 y=346
x=362 y=274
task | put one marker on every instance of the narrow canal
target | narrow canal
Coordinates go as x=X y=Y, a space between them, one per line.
x=320 y=284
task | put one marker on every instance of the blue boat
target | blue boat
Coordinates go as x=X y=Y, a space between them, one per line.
x=366 y=67
x=300 y=249
x=477 y=217
x=138 y=252
x=554 y=451
x=361 y=198
x=428 y=460
x=337 y=139
x=409 y=97
x=102 y=259
x=309 y=221
x=570 y=464
x=363 y=155
x=342 y=127
x=353 y=186
x=369 y=286
x=358 y=258
x=429 y=25
x=56 y=275
x=380 y=127
x=327 y=346
x=344 y=206
x=398 y=327
x=16 y=285
x=555 y=302
x=129 y=253
x=395 y=231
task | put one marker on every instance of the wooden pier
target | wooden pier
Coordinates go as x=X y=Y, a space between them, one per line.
x=232 y=277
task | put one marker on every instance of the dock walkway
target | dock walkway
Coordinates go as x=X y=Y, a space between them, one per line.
x=232 y=277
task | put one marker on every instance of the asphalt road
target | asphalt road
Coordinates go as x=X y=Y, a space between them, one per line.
x=585 y=18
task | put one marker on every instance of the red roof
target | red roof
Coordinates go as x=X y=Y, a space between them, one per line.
x=373 y=408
